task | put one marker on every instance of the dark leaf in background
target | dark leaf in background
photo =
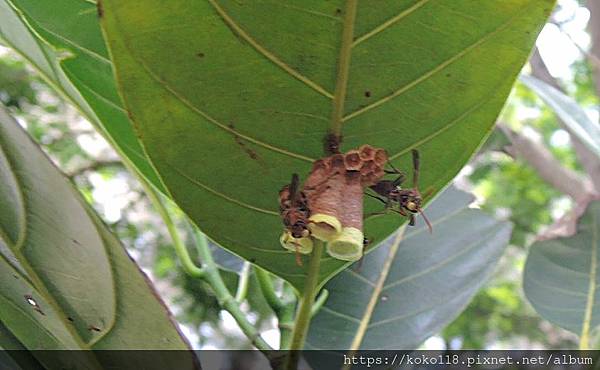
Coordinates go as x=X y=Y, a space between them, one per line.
x=561 y=277
x=431 y=279
x=67 y=283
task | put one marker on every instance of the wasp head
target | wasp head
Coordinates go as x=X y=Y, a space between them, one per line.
x=411 y=200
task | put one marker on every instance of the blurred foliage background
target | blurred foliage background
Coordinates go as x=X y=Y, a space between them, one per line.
x=508 y=187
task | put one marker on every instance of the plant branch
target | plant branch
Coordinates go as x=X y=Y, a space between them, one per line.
x=266 y=286
x=226 y=300
x=242 y=288
x=319 y=302
x=594 y=60
x=286 y=316
x=552 y=171
x=180 y=249
x=588 y=159
x=94 y=166
x=283 y=308
x=209 y=273
x=306 y=302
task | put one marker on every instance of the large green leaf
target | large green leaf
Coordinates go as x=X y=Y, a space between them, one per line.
x=65 y=281
x=231 y=97
x=415 y=287
x=20 y=358
x=36 y=211
x=573 y=115
x=562 y=276
x=62 y=39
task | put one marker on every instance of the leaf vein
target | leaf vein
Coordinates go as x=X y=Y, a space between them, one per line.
x=267 y=54
x=443 y=262
x=221 y=195
x=445 y=127
x=436 y=69
x=212 y=120
x=341 y=315
x=390 y=22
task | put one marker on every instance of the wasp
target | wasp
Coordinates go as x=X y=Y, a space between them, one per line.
x=409 y=200
x=294 y=210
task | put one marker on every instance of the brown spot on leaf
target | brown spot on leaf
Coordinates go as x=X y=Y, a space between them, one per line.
x=238 y=140
x=100 y=9
x=94 y=328
x=367 y=94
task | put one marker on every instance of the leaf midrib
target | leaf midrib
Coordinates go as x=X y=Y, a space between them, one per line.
x=379 y=287
x=343 y=69
x=591 y=295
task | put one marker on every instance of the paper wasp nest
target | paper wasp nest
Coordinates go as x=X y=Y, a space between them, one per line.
x=334 y=195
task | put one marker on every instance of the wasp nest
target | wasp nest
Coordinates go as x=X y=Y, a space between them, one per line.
x=329 y=206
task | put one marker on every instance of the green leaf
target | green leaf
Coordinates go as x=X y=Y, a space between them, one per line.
x=561 y=277
x=18 y=357
x=47 y=257
x=66 y=282
x=230 y=98
x=573 y=115
x=63 y=41
x=403 y=293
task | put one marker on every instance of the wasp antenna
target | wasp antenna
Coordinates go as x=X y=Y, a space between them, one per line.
x=416 y=165
x=294 y=187
x=426 y=221
x=295 y=182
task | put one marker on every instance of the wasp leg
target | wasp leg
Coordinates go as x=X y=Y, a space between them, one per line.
x=386 y=201
x=395 y=170
x=399 y=180
x=411 y=220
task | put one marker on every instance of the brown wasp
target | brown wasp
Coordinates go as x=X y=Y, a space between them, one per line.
x=409 y=200
x=293 y=208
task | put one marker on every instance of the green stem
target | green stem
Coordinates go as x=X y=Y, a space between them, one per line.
x=209 y=272
x=286 y=316
x=266 y=286
x=283 y=308
x=306 y=302
x=226 y=300
x=242 y=289
x=319 y=302
x=180 y=249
